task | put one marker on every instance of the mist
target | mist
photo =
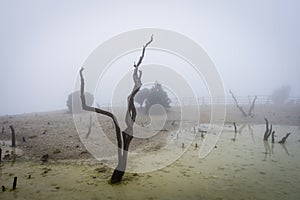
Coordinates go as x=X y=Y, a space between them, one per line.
x=254 y=44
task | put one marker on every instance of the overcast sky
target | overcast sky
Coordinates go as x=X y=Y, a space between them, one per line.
x=254 y=44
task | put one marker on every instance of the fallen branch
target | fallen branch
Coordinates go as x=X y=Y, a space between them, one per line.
x=283 y=140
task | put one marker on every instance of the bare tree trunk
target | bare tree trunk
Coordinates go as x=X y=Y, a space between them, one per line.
x=237 y=105
x=123 y=140
x=283 y=140
x=13 y=136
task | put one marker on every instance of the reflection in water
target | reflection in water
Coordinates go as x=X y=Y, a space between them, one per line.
x=267 y=150
x=234 y=137
x=241 y=128
x=13 y=156
x=285 y=149
x=251 y=132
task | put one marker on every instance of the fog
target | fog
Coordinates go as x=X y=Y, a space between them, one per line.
x=254 y=44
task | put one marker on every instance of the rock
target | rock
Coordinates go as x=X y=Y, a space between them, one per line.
x=6 y=157
x=45 y=158
x=101 y=169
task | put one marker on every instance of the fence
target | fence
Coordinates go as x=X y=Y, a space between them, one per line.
x=243 y=100
x=228 y=100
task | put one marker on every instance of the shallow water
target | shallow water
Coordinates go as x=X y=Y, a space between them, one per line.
x=240 y=167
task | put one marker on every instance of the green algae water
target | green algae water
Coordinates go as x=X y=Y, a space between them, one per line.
x=241 y=166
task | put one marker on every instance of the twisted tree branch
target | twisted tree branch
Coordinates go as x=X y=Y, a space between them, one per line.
x=100 y=111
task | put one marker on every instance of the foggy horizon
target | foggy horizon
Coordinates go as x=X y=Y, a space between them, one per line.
x=253 y=44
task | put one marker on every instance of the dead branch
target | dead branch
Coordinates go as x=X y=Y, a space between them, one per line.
x=143 y=53
x=252 y=107
x=268 y=130
x=237 y=105
x=100 y=111
x=235 y=131
x=283 y=140
x=273 y=137
x=13 y=136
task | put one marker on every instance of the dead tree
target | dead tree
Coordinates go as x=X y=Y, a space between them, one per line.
x=123 y=138
x=241 y=108
x=13 y=136
x=268 y=130
x=282 y=141
x=252 y=107
x=237 y=105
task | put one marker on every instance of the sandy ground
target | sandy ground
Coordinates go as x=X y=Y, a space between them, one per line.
x=243 y=168
x=55 y=134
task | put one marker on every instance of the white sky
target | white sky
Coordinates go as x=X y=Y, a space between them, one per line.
x=254 y=44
